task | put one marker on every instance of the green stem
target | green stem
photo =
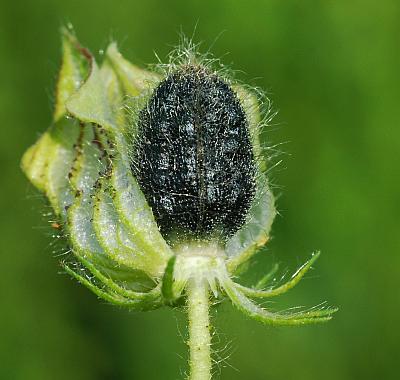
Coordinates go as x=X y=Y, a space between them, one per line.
x=199 y=330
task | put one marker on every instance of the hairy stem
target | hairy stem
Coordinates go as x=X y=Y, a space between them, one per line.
x=199 y=330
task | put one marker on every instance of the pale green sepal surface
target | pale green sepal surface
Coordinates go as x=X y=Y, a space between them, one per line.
x=255 y=232
x=100 y=101
x=76 y=63
x=116 y=240
x=91 y=104
x=86 y=247
x=251 y=104
x=64 y=136
x=36 y=160
x=89 y=162
x=137 y=216
x=133 y=79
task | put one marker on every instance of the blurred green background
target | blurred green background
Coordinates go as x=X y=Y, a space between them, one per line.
x=332 y=70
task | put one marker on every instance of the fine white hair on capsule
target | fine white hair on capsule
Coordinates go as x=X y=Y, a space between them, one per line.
x=187 y=81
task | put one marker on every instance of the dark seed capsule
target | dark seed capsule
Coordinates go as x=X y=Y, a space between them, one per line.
x=193 y=156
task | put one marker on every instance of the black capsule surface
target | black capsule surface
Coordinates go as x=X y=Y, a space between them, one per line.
x=193 y=157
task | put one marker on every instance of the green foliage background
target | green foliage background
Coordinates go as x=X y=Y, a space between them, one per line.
x=332 y=69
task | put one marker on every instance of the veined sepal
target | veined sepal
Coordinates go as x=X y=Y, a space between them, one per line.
x=82 y=166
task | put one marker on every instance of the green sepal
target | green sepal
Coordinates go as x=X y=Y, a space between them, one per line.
x=86 y=247
x=76 y=62
x=35 y=160
x=251 y=104
x=134 y=80
x=255 y=232
x=64 y=135
x=101 y=99
x=75 y=66
x=135 y=213
x=89 y=162
x=118 y=242
x=96 y=101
